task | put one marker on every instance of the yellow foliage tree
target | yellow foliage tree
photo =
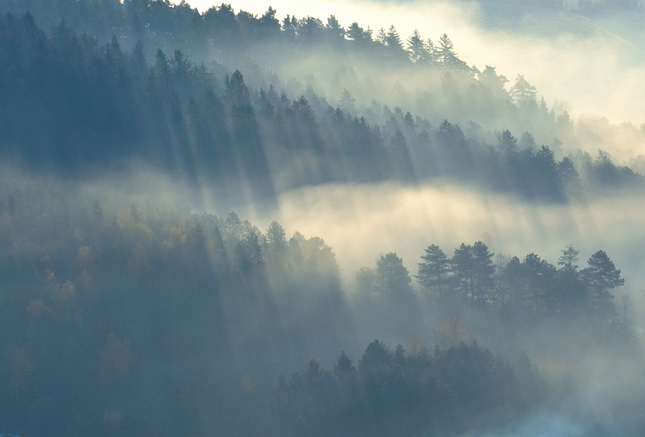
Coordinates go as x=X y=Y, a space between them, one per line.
x=450 y=333
x=412 y=347
x=86 y=279
x=247 y=385
x=66 y=292
x=132 y=223
x=175 y=236
x=63 y=297
x=36 y=308
x=86 y=260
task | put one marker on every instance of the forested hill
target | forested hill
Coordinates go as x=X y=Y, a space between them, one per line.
x=76 y=103
x=122 y=314
x=129 y=320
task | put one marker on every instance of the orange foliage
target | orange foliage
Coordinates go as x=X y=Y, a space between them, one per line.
x=450 y=333
x=86 y=260
x=36 y=308
x=412 y=347
x=247 y=385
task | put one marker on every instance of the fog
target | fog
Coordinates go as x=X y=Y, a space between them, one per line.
x=568 y=57
x=592 y=392
x=599 y=395
x=361 y=222
x=380 y=218
x=156 y=270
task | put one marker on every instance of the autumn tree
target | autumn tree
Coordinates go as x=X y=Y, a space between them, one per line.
x=450 y=333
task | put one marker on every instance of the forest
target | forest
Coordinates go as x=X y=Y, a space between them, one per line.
x=77 y=106
x=132 y=307
x=175 y=323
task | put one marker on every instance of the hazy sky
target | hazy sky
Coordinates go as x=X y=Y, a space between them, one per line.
x=568 y=58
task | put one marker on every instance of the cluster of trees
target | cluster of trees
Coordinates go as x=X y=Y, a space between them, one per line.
x=267 y=48
x=522 y=287
x=218 y=27
x=102 y=308
x=518 y=291
x=229 y=35
x=127 y=320
x=408 y=392
x=75 y=105
x=148 y=311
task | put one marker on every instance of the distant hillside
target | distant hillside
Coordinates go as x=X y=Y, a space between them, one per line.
x=76 y=103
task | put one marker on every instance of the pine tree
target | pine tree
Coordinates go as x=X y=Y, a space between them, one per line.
x=601 y=277
x=483 y=271
x=447 y=57
x=434 y=271
x=523 y=93
x=417 y=49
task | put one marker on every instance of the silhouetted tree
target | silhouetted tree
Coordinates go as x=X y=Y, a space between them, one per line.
x=447 y=56
x=434 y=271
x=601 y=276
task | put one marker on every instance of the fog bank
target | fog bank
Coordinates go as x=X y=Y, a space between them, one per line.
x=362 y=221
x=568 y=57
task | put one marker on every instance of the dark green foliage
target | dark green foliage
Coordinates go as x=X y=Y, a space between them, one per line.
x=276 y=241
x=177 y=323
x=522 y=291
x=600 y=277
x=471 y=278
x=144 y=304
x=74 y=104
x=434 y=271
x=472 y=274
x=447 y=56
x=392 y=276
x=483 y=271
x=462 y=264
x=400 y=158
x=454 y=390
x=420 y=52
x=165 y=308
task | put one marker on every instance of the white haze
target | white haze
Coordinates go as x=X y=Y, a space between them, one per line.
x=360 y=222
x=567 y=57
x=364 y=221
